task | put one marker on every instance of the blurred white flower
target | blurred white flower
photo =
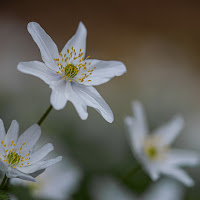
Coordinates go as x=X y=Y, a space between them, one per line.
x=109 y=189
x=153 y=150
x=69 y=75
x=165 y=189
x=58 y=182
x=18 y=159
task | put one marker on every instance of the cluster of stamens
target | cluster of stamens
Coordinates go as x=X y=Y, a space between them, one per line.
x=152 y=149
x=12 y=157
x=71 y=63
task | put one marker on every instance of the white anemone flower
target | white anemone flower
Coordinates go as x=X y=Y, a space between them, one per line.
x=18 y=158
x=165 y=189
x=69 y=74
x=110 y=189
x=153 y=150
x=65 y=176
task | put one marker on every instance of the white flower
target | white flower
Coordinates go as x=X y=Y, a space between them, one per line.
x=109 y=189
x=69 y=75
x=164 y=189
x=153 y=150
x=59 y=182
x=18 y=158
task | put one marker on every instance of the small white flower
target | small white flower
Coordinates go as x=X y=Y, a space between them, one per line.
x=153 y=150
x=18 y=158
x=110 y=189
x=69 y=75
x=59 y=182
x=164 y=189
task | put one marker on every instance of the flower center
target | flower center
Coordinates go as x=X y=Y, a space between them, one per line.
x=12 y=158
x=71 y=71
x=73 y=67
x=153 y=148
x=152 y=152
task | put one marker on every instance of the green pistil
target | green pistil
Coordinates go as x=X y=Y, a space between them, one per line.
x=13 y=158
x=152 y=152
x=71 y=71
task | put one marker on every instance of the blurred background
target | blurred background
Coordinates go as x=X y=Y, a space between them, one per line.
x=159 y=42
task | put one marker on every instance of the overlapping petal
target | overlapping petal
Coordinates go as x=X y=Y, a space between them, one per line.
x=39 y=70
x=104 y=71
x=14 y=173
x=59 y=95
x=40 y=153
x=78 y=103
x=92 y=98
x=40 y=165
x=29 y=138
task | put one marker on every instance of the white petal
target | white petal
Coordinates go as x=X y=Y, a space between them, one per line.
x=48 y=48
x=59 y=95
x=2 y=130
x=140 y=118
x=152 y=168
x=40 y=153
x=135 y=138
x=178 y=174
x=183 y=158
x=40 y=165
x=78 y=103
x=170 y=131
x=93 y=99
x=12 y=135
x=30 y=138
x=3 y=166
x=78 y=41
x=104 y=71
x=164 y=190
x=39 y=70
x=14 y=173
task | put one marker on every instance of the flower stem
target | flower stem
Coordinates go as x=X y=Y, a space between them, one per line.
x=44 y=115
x=131 y=172
x=3 y=181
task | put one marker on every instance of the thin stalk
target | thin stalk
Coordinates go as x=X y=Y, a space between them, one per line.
x=3 y=181
x=44 y=115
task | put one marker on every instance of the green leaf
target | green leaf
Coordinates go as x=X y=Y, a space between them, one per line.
x=3 y=195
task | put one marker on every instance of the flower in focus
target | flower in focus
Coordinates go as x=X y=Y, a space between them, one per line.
x=69 y=74
x=18 y=158
x=59 y=182
x=153 y=150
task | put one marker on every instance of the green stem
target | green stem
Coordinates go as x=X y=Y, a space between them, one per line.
x=132 y=172
x=3 y=181
x=44 y=115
